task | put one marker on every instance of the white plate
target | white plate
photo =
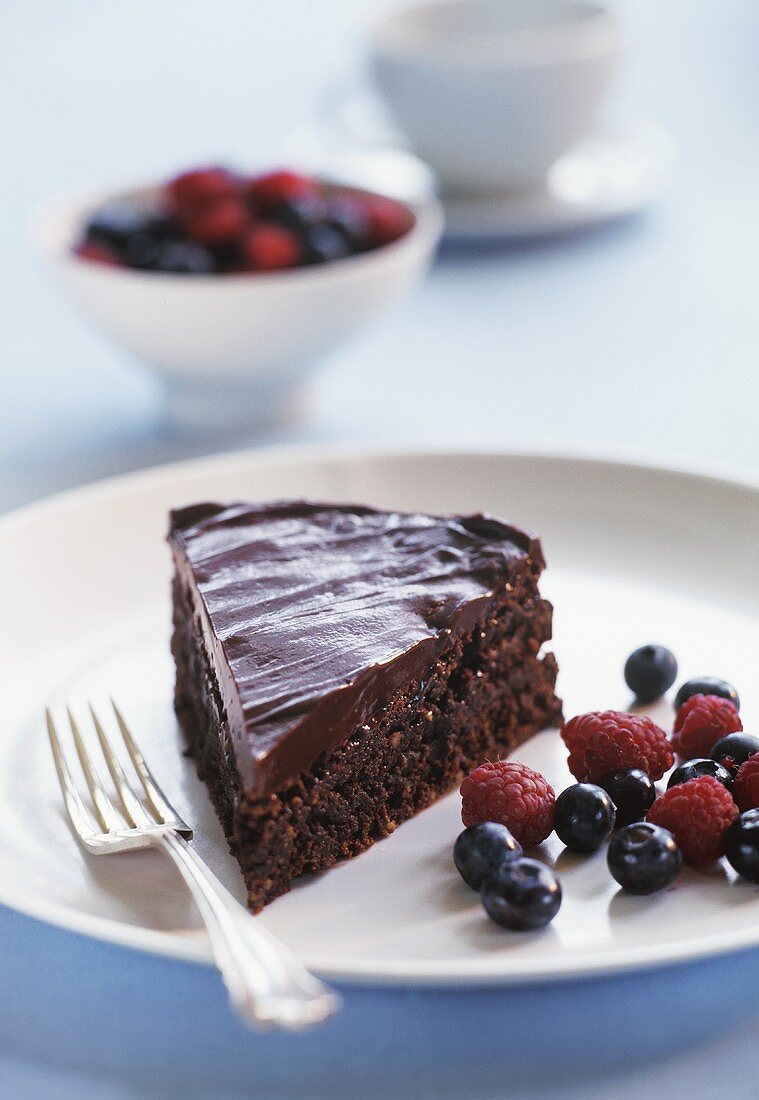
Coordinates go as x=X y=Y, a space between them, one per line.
x=613 y=174
x=634 y=555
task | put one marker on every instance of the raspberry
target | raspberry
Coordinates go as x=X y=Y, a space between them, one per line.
x=202 y=187
x=513 y=795
x=700 y=723
x=274 y=188
x=698 y=814
x=268 y=247
x=388 y=219
x=98 y=253
x=216 y=223
x=746 y=786
x=605 y=741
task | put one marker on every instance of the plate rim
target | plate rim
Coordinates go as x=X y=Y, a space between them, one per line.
x=194 y=947
x=714 y=473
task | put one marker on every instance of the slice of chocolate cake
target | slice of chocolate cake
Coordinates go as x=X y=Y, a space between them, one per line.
x=340 y=668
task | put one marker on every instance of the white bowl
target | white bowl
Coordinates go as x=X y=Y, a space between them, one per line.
x=233 y=349
x=492 y=92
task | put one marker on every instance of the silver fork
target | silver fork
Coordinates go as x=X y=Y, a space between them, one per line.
x=266 y=983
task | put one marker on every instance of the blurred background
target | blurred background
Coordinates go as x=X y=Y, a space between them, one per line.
x=637 y=337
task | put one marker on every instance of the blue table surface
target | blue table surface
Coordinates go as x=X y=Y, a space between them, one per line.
x=639 y=339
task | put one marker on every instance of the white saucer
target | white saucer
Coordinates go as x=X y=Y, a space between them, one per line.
x=635 y=555
x=619 y=170
x=611 y=175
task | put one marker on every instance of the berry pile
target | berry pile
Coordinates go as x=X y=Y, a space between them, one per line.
x=211 y=220
x=710 y=808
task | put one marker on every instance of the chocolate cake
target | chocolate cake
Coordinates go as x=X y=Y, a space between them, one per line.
x=340 y=668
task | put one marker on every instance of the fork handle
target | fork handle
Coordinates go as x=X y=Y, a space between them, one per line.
x=266 y=983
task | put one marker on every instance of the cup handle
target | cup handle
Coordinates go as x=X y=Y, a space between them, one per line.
x=357 y=119
x=352 y=139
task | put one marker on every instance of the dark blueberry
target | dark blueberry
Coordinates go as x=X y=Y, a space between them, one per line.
x=482 y=848
x=644 y=858
x=694 y=769
x=584 y=817
x=351 y=218
x=142 y=251
x=164 y=227
x=734 y=749
x=632 y=792
x=324 y=243
x=117 y=223
x=742 y=845
x=521 y=895
x=650 y=671
x=226 y=257
x=185 y=258
x=301 y=214
x=706 y=685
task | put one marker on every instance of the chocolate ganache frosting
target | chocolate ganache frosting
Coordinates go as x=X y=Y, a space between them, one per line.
x=315 y=615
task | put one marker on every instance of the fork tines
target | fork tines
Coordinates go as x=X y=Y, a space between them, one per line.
x=153 y=811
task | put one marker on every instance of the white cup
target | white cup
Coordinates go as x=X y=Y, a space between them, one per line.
x=491 y=92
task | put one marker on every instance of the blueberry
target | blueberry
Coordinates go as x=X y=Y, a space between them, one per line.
x=327 y=230
x=644 y=858
x=632 y=792
x=650 y=671
x=185 y=258
x=706 y=685
x=350 y=217
x=301 y=214
x=694 y=769
x=482 y=848
x=584 y=817
x=164 y=227
x=116 y=223
x=142 y=251
x=734 y=749
x=742 y=845
x=521 y=895
x=226 y=257
x=324 y=243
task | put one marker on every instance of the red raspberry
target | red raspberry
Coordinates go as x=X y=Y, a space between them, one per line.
x=268 y=247
x=274 y=188
x=605 y=741
x=513 y=795
x=201 y=187
x=746 y=785
x=700 y=723
x=388 y=219
x=698 y=814
x=98 y=253
x=217 y=223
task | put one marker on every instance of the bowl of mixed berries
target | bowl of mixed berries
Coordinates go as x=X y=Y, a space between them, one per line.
x=234 y=286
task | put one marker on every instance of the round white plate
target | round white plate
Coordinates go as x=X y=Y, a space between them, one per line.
x=634 y=554
x=613 y=174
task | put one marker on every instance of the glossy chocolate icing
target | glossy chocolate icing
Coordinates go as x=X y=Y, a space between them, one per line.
x=314 y=615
